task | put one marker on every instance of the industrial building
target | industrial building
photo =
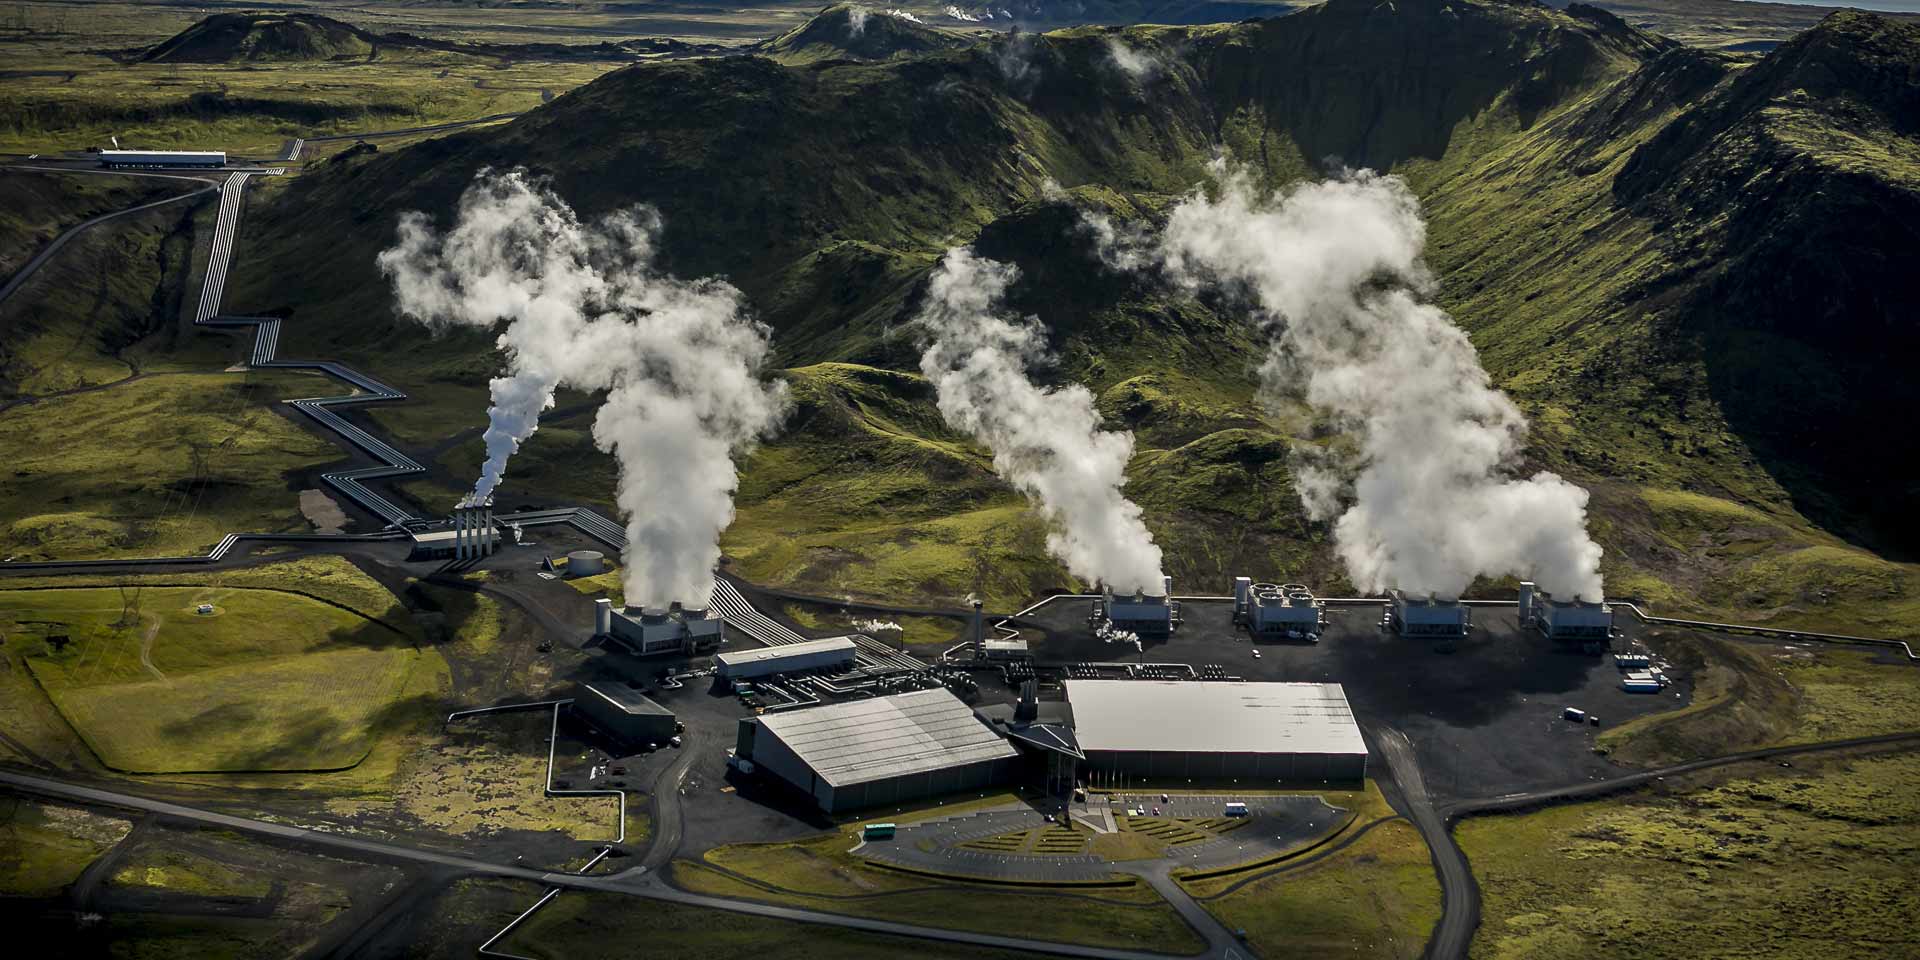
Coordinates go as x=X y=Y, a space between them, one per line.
x=656 y=632
x=1196 y=730
x=860 y=753
x=1142 y=613
x=833 y=653
x=1043 y=733
x=624 y=713
x=469 y=534
x=1277 y=610
x=1429 y=617
x=163 y=158
x=1569 y=621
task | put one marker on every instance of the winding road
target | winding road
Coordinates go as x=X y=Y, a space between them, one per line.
x=26 y=271
x=1459 y=893
x=636 y=883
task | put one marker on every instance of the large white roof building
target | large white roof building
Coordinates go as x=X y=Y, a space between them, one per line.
x=1200 y=730
x=884 y=750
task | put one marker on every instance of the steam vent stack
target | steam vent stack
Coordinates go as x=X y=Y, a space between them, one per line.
x=1435 y=618
x=1143 y=613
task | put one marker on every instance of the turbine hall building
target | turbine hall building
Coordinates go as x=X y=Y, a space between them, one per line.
x=1196 y=730
x=624 y=713
x=861 y=753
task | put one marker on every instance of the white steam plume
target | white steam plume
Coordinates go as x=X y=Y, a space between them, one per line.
x=1430 y=498
x=1046 y=441
x=585 y=308
x=1139 y=65
x=856 y=19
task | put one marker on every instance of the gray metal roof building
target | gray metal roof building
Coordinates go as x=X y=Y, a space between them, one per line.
x=894 y=749
x=786 y=658
x=1197 y=730
x=624 y=712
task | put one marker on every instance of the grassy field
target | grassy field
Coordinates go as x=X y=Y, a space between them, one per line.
x=1751 y=695
x=487 y=776
x=1133 y=917
x=1801 y=862
x=45 y=847
x=583 y=924
x=576 y=925
x=937 y=632
x=1376 y=898
x=244 y=108
x=269 y=681
x=179 y=871
x=818 y=873
x=213 y=459
x=285 y=899
x=30 y=719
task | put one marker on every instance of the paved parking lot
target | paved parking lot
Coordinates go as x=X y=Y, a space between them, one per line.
x=1484 y=719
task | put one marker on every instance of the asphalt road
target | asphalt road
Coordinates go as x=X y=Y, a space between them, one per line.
x=1220 y=941
x=292 y=149
x=1459 y=893
x=1587 y=791
x=26 y=271
x=644 y=885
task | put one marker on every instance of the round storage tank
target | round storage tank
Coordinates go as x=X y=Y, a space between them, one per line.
x=586 y=563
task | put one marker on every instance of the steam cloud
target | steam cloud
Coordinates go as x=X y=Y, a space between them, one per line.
x=1046 y=441
x=1141 y=66
x=585 y=308
x=856 y=19
x=1427 y=499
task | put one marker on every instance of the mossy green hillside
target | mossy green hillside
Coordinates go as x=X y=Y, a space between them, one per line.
x=1808 y=861
x=102 y=309
x=267 y=680
x=165 y=465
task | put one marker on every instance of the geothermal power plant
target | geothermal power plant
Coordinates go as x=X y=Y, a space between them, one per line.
x=1095 y=689
x=1128 y=684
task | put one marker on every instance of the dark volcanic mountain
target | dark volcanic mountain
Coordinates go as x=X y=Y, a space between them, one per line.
x=1694 y=272
x=231 y=37
x=856 y=32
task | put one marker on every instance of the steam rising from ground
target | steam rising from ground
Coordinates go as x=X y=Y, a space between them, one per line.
x=1139 y=65
x=1425 y=498
x=1046 y=441
x=856 y=19
x=586 y=309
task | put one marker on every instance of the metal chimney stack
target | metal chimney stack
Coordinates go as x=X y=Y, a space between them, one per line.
x=473 y=534
x=1526 y=600
x=979 y=630
x=1027 y=709
x=602 y=617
